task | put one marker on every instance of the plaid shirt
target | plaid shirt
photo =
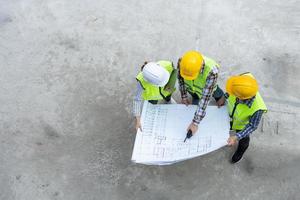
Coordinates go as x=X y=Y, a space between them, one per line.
x=253 y=121
x=211 y=81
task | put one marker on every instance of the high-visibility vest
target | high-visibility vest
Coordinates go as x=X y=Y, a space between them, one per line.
x=241 y=113
x=152 y=92
x=196 y=86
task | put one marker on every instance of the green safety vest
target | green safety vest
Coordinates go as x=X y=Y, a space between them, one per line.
x=152 y=92
x=196 y=86
x=241 y=113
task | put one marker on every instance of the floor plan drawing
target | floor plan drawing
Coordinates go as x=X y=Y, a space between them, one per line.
x=164 y=130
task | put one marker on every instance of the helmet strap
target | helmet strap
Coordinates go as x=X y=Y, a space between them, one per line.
x=145 y=63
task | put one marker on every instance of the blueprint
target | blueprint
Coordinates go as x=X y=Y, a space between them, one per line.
x=164 y=129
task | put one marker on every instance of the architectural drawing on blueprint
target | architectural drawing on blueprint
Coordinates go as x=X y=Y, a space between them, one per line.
x=174 y=148
x=164 y=129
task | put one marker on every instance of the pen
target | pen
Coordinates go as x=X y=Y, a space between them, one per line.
x=188 y=135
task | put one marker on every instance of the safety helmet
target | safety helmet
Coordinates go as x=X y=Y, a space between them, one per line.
x=155 y=74
x=242 y=86
x=190 y=65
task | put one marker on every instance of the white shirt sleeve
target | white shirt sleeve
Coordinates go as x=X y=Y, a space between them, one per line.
x=138 y=101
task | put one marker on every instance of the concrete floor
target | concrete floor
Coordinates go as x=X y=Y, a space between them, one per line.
x=66 y=86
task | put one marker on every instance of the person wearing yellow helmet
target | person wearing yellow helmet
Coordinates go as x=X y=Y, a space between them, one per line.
x=156 y=81
x=198 y=76
x=246 y=107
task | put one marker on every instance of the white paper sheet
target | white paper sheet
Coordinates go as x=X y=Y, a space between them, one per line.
x=164 y=130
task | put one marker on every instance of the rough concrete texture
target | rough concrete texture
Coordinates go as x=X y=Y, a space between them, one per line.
x=66 y=86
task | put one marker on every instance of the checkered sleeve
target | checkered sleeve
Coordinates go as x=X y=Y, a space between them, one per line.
x=211 y=81
x=182 y=88
x=251 y=126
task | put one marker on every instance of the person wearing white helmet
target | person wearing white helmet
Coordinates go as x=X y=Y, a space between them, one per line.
x=156 y=81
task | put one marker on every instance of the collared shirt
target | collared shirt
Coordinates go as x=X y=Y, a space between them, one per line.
x=211 y=81
x=253 y=121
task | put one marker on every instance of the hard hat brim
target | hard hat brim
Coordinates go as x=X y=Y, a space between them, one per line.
x=165 y=79
x=187 y=77
x=155 y=74
x=229 y=85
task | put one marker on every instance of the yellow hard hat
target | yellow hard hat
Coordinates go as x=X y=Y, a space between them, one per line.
x=190 y=65
x=242 y=86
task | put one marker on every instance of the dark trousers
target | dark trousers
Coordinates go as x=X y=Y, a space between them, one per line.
x=243 y=145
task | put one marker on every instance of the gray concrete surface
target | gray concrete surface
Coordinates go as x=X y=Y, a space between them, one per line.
x=67 y=80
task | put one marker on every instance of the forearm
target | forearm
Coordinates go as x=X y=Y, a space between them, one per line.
x=251 y=126
x=138 y=101
x=206 y=94
x=137 y=107
x=201 y=110
x=182 y=87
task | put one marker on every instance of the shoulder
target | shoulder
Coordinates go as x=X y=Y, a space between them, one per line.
x=140 y=74
x=213 y=66
x=214 y=70
x=139 y=77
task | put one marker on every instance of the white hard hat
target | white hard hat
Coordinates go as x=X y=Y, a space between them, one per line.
x=155 y=74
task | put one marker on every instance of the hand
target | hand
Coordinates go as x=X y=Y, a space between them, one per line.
x=138 y=124
x=232 y=140
x=193 y=127
x=221 y=101
x=185 y=101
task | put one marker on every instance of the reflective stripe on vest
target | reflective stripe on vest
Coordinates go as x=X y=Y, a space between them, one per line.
x=152 y=92
x=241 y=113
x=196 y=86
